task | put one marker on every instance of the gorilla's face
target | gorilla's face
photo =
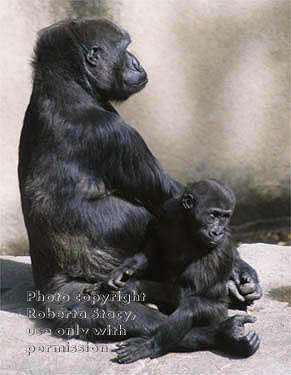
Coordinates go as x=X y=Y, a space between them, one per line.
x=209 y=205
x=132 y=78
x=116 y=73
x=92 y=52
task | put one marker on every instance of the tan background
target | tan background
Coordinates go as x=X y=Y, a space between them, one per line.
x=217 y=103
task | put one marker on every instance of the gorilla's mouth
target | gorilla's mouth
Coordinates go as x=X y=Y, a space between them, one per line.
x=216 y=238
x=210 y=240
x=141 y=84
x=136 y=86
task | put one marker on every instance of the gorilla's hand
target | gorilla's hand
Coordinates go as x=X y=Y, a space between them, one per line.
x=244 y=286
x=130 y=267
x=119 y=276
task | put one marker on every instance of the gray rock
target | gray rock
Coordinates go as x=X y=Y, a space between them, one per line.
x=273 y=326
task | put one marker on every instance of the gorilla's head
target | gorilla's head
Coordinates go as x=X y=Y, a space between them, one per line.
x=94 y=53
x=209 y=205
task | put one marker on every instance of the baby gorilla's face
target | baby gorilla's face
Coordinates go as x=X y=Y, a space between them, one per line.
x=213 y=224
x=209 y=206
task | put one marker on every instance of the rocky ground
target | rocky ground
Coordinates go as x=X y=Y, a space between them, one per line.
x=24 y=354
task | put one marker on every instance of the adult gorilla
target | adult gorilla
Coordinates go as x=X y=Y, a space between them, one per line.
x=87 y=179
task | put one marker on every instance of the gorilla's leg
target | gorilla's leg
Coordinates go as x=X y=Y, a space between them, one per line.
x=119 y=318
x=227 y=336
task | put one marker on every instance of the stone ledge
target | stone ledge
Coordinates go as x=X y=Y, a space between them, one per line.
x=273 y=325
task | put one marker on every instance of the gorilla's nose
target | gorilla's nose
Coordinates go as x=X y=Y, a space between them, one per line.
x=137 y=65
x=133 y=63
x=216 y=234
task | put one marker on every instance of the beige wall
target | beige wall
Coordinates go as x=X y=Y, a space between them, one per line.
x=217 y=103
x=219 y=84
x=19 y=22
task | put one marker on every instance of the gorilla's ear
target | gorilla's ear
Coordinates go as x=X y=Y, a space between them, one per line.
x=188 y=200
x=93 y=55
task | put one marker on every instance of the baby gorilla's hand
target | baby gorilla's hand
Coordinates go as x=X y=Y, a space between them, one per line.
x=119 y=276
x=244 y=287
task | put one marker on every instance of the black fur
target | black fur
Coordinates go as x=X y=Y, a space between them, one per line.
x=191 y=244
x=88 y=181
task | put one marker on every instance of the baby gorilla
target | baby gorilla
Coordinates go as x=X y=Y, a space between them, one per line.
x=185 y=264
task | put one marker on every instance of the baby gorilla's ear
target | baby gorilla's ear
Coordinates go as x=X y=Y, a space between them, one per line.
x=188 y=200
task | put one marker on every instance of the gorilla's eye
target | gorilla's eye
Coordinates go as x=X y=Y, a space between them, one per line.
x=96 y=51
x=211 y=217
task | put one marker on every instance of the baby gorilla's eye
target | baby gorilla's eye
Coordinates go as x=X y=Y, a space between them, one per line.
x=211 y=217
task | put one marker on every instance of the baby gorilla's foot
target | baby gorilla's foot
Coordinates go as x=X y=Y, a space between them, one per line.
x=134 y=349
x=232 y=339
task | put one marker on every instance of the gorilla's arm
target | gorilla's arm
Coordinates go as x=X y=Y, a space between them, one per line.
x=129 y=167
x=244 y=287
